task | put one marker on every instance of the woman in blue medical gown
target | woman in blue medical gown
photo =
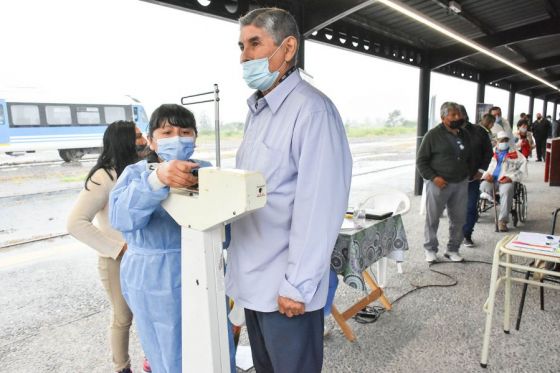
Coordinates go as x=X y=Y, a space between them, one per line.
x=151 y=266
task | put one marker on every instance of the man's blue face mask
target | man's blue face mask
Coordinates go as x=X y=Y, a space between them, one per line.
x=177 y=147
x=257 y=75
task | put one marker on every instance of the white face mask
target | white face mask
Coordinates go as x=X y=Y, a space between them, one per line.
x=503 y=146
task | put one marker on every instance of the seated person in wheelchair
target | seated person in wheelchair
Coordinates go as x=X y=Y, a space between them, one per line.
x=524 y=140
x=506 y=167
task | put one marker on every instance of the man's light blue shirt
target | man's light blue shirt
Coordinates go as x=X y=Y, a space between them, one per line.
x=295 y=137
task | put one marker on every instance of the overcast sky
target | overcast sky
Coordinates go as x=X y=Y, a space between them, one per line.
x=158 y=54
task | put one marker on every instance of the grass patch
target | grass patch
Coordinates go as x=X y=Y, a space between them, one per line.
x=357 y=132
x=354 y=132
x=73 y=179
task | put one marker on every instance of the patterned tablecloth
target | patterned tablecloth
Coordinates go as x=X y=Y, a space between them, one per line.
x=358 y=248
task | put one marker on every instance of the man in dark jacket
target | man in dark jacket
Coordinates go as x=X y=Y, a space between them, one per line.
x=541 y=128
x=481 y=154
x=443 y=160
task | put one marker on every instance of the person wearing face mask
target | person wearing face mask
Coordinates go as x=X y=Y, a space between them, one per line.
x=481 y=153
x=151 y=267
x=123 y=144
x=506 y=167
x=502 y=124
x=525 y=143
x=444 y=160
x=279 y=256
x=541 y=128
x=486 y=123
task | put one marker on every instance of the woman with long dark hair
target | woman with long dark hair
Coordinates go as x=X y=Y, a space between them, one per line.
x=123 y=144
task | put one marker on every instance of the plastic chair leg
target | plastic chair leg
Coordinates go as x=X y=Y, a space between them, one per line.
x=381 y=272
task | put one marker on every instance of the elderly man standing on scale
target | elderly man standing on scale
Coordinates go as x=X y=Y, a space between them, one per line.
x=279 y=256
x=444 y=161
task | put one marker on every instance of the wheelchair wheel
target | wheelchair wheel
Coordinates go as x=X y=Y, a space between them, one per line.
x=514 y=217
x=522 y=203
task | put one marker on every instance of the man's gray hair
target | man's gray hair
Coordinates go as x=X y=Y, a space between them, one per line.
x=278 y=23
x=447 y=106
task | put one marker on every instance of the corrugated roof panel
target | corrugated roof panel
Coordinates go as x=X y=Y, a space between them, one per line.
x=543 y=47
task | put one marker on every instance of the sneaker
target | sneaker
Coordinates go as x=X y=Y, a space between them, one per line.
x=502 y=226
x=146 y=366
x=431 y=256
x=468 y=242
x=453 y=256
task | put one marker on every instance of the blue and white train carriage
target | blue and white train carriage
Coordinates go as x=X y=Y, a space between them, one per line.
x=74 y=127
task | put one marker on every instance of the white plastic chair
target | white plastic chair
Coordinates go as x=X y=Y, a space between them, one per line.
x=381 y=203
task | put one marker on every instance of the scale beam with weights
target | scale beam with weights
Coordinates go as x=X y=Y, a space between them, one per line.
x=222 y=196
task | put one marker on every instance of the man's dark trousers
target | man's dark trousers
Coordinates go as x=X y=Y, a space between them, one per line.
x=280 y=344
x=541 y=148
x=472 y=208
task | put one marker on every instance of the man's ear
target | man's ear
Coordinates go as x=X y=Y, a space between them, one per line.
x=291 y=46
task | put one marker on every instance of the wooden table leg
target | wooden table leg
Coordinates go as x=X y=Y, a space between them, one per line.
x=348 y=333
x=371 y=283
x=375 y=294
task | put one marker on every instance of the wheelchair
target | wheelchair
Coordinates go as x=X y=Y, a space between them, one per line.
x=519 y=205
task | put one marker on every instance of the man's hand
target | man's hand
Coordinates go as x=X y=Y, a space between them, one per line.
x=489 y=178
x=505 y=180
x=440 y=182
x=289 y=307
x=177 y=174
x=477 y=176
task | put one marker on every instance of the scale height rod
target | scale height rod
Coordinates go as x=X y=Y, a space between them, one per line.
x=217 y=123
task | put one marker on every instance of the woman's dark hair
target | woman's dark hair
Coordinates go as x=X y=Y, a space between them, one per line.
x=119 y=149
x=176 y=115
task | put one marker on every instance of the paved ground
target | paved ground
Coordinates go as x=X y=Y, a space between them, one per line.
x=54 y=314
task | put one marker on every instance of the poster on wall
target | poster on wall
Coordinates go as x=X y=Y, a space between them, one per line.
x=481 y=109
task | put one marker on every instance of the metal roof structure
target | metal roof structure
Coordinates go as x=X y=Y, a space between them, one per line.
x=525 y=32
x=509 y=44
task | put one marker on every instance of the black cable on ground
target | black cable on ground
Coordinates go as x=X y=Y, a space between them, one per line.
x=371 y=314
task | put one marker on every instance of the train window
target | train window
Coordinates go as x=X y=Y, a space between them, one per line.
x=114 y=113
x=58 y=114
x=144 y=117
x=25 y=115
x=2 y=121
x=88 y=115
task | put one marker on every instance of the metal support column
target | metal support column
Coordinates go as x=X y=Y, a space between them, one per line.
x=423 y=115
x=301 y=54
x=511 y=105
x=480 y=91
x=555 y=111
x=544 y=108
x=531 y=107
x=298 y=11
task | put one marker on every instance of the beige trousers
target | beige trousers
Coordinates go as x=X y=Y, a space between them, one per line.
x=109 y=271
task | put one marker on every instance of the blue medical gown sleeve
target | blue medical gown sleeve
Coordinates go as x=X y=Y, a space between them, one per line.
x=324 y=171
x=132 y=201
